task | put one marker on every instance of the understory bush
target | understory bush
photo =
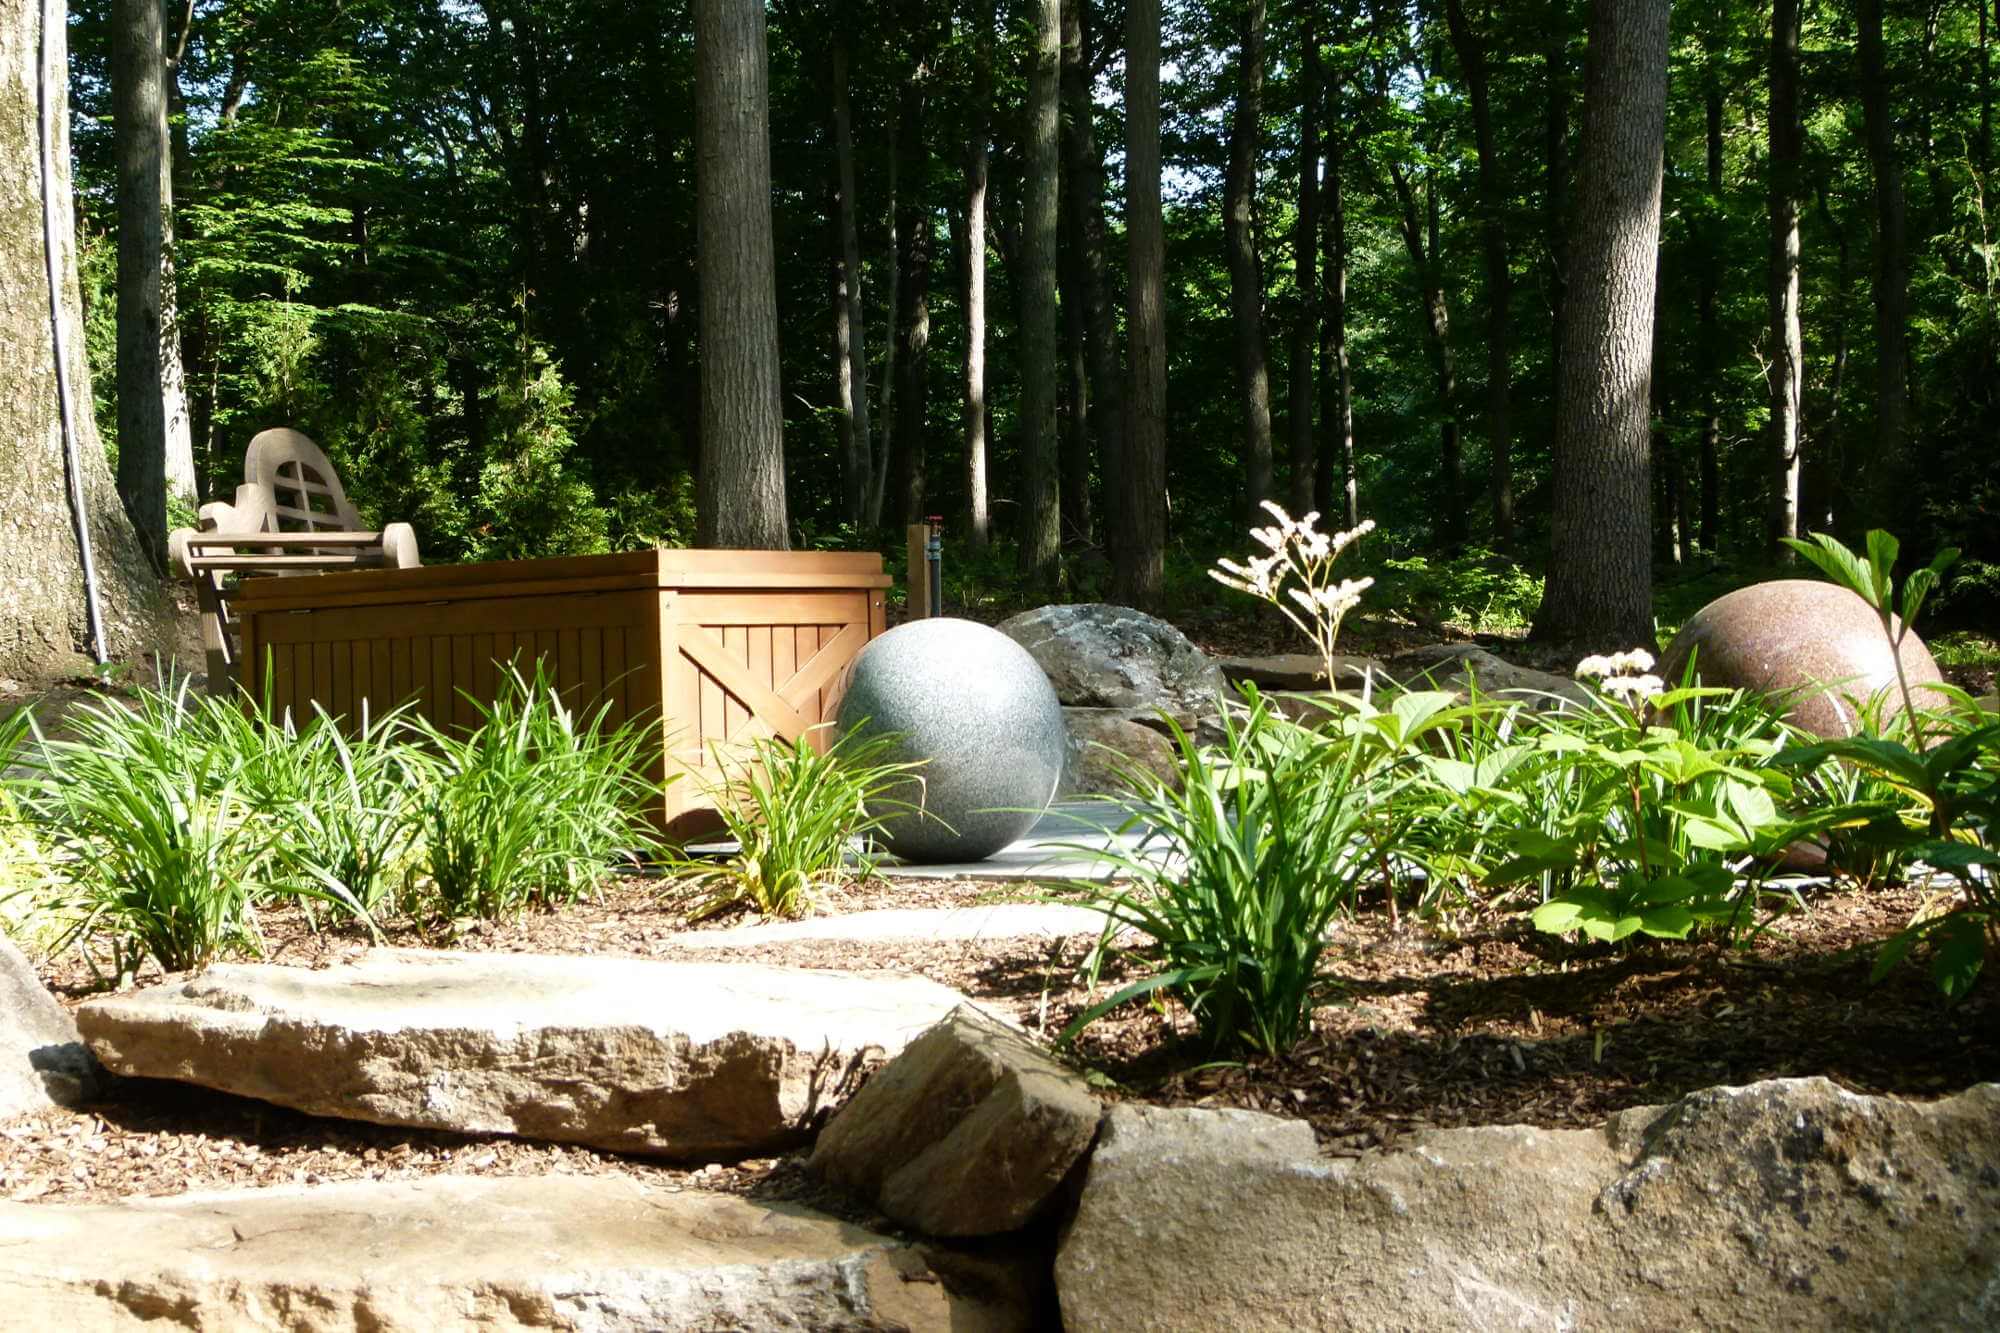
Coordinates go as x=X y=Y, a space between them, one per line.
x=799 y=816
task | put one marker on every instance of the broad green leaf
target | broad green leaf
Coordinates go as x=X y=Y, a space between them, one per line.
x=1882 y=551
x=1751 y=804
x=1960 y=955
x=1556 y=916
x=1672 y=921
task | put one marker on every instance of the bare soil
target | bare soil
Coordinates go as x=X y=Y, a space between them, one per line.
x=1483 y=1023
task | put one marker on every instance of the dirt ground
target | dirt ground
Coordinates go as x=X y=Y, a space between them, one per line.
x=1486 y=1023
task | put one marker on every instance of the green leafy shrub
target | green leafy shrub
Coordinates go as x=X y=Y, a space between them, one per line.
x=1267 y=838
x=795 y=813
x=1478 y=588
x=148 y=814
x=533 y=807
x=353 y=801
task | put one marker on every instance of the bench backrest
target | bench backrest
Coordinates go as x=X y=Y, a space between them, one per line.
x=305 y=492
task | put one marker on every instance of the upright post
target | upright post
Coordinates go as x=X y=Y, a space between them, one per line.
x=919 y=605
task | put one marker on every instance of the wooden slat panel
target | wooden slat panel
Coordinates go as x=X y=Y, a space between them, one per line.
x=590 y=666
x=483 y=682
x=364 y=681
x=617 y=682
x=512 y=615
x=568 y=666
x=418 y=684
x=746 y=608
x=324 y=684
x=546 y=652
x=444 y=708
x=399 y=671
x=784 y=656
x=460 y=680
x=736 y=642
x=507 y=653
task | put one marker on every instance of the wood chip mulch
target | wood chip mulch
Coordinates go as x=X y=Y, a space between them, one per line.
x=1484 y=1023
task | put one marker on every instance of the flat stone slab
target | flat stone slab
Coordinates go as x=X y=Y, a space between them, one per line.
x=991 y=921
x=43 y=1062
x=692 y=1060
x=452 y=1253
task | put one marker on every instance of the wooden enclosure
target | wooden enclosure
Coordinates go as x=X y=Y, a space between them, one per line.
x=720 y=645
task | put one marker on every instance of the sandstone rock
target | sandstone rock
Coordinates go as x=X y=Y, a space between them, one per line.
x=450 y=1253
x=1100 y=739
x=43 y=1062
x=1102 y=656
x=968 y=1132
x=1301 y=671
x=976 y=711
x=1455 y=666
x=1802 y=633
x=681 y=1059
x=1788 y=1204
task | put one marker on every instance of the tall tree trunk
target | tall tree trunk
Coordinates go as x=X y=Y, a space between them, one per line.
x=1892 y=269
x=1246 y=281
x=1083 y=207
x=916 y=234
x=979 y=520
x=1668 y=532
x=850 y=327
x=1820 y=483
x=885 y=446
x=152 y=404
x=1137 y=557
x=42 y=580
x=1040 y=533
x=1599 y=588
x=740 y=489
x=1555 y=180
x=1787 y=358
x=1305 y=253
x=1707 y=348
x=1336 y=394
x=1450 y=529
x=1077 y=386
x=1499 y=276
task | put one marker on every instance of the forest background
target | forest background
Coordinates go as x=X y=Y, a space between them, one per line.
x=456 y=243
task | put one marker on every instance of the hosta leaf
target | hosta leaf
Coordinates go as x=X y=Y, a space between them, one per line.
x=1960 y=955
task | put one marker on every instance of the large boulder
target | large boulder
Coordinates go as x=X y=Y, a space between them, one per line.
x=691 y=1060
x=1803 y=634
x=1461 y=666
x=1102 y=656
x=1103 y=742
x=451 y=1253
x=43 y=1062
x=1787 y=1204
x=1302 y=671
x=968 y=1132
x=977 y=713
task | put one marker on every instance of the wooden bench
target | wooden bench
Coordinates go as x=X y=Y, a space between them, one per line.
x=290 y=516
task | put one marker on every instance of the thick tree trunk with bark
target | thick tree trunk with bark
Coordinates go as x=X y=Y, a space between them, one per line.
x=850 y=327
x=885 y=444
x=1083 y=212
x=1336 y=393
x=1074 y=414
x=1600 y=589
x=155 y=456
x=1305 y=253
x=1138 y=554
x=1041 y=516
x=978 y=518
x=1246 y=280
x=740 y=491
x=1499 y=276
x=1892 y=265
x=1787 y=352
x=41 y=579
x=1555 y=177
x=916 y=236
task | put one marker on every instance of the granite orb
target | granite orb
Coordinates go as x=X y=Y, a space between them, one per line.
x=1806 y=635
x=973 y=707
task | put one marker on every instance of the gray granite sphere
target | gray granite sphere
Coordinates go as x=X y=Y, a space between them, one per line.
x=1803 y=634
x=972 y=706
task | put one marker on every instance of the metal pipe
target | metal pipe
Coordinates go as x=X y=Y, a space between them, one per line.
x=72 y=459
x=934 y=562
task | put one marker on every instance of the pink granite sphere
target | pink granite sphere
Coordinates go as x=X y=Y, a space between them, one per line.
x=1802 y=633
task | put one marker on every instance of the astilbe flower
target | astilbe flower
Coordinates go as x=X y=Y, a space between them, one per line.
x=1625 y=676
x=1296 y=575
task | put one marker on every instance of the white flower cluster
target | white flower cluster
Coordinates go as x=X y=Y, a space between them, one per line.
x=1298 y=567
x=1627 y=675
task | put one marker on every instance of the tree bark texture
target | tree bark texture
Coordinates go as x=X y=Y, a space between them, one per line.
x=979 y=521
x=850 y=327
x=1138 y=554
x=1246 y=281
x=1083 y=207
x=1336 y=393
x=1472 y=61
x=885 y=445
x=41 y=580
x=1305 y=253
x=1787 y=350
x=1599 y=588
x=740 y=491
x=155 y=455
x=1040 y=532
x=1076 y=383
x=1892 y=267
x=1555 y=177
x=1707 y=350
x=916 y=241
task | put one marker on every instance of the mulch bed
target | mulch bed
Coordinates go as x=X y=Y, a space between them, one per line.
x=1483 y=1023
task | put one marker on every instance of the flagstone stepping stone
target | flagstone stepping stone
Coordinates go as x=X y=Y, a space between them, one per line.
x=449 y=1253
x=691 y=1060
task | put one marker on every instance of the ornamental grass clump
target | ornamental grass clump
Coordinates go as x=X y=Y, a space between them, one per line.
x=534 y=807
x=800 y=817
